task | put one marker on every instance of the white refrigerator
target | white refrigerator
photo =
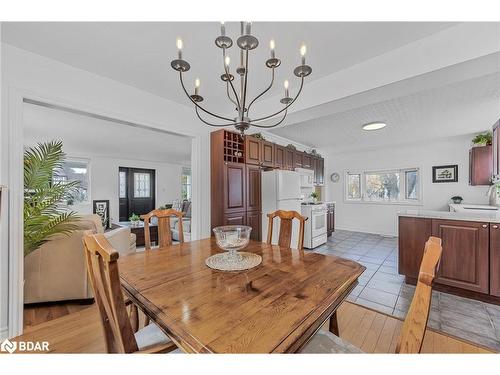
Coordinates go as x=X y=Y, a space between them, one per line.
x=280 y=191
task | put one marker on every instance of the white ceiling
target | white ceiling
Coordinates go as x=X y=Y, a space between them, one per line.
x=139 y=54
x=458 y=108
x=87 y=136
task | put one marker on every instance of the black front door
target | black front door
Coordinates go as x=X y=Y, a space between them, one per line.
x=136 y=191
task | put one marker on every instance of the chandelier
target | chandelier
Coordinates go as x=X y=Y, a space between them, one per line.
x=246 y=42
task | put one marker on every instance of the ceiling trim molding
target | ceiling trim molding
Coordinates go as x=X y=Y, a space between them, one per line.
x=100 y=117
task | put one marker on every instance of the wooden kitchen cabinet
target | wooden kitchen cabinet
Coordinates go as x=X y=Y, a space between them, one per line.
x=253 y=150
x=267 y=152
x=254 y=220
x=235 y=218
x=330 y=219
x=495 y=260
x=480 y=165
x=307 y=161
x=279 y=156
x=465 y=259
x=297 y=159
x=496 y=148
x=234 y=177
x=289 y=158
x=413 y=234
x=253 y=188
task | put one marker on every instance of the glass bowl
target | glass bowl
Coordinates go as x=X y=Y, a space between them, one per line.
x=232 y=238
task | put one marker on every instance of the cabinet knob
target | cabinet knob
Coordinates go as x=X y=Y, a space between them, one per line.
x=485 y=225
x=495 y=226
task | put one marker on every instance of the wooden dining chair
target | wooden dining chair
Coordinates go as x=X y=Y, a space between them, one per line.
x=164 y=233
x=286 y=225
x=102 y=267
x=415 y=324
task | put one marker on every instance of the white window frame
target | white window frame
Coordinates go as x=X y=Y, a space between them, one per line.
x=87 y=161
x=402 y=187
x=190 y=184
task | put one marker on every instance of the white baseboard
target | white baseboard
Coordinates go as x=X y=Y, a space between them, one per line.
x=391 y=235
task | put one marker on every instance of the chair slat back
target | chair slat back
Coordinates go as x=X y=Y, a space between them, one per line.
x=413 y=330
x=102 y=267
x=164 y=234
x=286 y=225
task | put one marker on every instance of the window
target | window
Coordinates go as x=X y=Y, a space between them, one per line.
x=353 y=186
x=142 y=185
x=186 y=183
x=387 y=186
x=123 y=184
x=75 y=170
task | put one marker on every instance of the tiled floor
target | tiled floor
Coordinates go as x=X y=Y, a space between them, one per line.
x=383 y=289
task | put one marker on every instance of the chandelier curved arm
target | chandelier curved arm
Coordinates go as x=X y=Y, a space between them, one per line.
x=229 y=95
x=206 y=122
x=272 y=126
x=284 y=109
x=226 y=69
x=197 y=105
x=262 y=93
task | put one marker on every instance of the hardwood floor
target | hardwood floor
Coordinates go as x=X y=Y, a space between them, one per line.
x=73 y=328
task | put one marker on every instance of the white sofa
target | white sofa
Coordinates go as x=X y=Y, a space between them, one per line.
x=57 y=272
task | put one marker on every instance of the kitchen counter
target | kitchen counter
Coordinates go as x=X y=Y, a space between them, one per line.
x=483 y=216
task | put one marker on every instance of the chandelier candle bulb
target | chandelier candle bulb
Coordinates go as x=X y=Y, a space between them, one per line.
x=286 y=84
x=222 y=29
x=179 y=48
x=303 y=50
x=272 y=46
x=248 y=28
x=227 y=60
x=196 y=86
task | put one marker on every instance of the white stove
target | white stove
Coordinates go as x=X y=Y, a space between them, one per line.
x=315 y=226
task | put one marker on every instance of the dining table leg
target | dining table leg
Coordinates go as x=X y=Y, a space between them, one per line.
x=334 y=324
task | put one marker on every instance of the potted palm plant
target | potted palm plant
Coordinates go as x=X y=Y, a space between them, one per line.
x=46 y=212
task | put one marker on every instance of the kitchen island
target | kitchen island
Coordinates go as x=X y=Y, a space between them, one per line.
x=470 y=264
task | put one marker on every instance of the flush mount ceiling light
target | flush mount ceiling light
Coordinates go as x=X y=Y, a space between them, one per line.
x=238 y=97
x=374 y=126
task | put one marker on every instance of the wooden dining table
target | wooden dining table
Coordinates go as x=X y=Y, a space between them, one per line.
x=275 y=307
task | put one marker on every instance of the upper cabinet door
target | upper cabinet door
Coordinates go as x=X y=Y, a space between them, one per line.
x=234 y=178
x=464 y=262
x=253 y=188
x=496 y=148
x=253 y=150
x=289 y=158
x=495 y=259
x=480 y=165
x=279 y=156
x=267 y=153
x=306 y=161
x=298 y=159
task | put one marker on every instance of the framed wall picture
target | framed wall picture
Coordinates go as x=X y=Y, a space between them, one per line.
x=101 y=208
x=445 y=173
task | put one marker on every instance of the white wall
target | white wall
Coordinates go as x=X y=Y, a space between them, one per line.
x=104 y=181
x=382 y=218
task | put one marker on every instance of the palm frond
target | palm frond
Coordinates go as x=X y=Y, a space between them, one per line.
x=45 y=214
